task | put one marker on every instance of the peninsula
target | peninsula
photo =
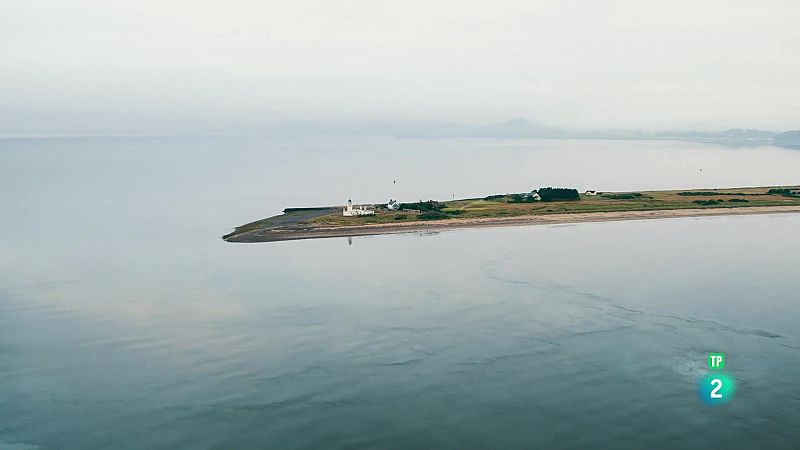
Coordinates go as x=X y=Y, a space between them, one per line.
x=541 y=206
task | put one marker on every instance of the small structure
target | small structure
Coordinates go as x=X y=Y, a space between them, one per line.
x=357 y=210
x=393 y=205
x=533 y=196
x=591 y=192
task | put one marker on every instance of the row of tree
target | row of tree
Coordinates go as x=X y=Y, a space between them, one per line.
x=550 y=194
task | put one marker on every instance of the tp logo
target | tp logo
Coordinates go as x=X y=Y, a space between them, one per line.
x=716 y=361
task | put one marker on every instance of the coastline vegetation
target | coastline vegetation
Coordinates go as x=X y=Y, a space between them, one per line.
x=563 y=200
x=550 y=194
x=506 y=206
x=786 y=192
x=624 y=196
x=709 y=202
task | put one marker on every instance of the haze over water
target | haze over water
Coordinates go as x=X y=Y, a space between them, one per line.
x=126 y=322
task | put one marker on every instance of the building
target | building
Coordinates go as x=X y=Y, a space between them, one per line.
x=357 y=210
x=393 y=205
x=591 y=192
x=533 y=196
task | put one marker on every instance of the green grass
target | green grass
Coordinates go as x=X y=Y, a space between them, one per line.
x=502 y=205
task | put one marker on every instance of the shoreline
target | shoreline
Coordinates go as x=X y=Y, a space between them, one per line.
x=276 y=235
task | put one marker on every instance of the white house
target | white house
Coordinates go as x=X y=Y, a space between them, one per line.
x=534 y=195
x=591 y=192
x=393 y=205
x=357 y=210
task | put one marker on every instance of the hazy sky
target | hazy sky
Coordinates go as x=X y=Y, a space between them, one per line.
x=159 y=64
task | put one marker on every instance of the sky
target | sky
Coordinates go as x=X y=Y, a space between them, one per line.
x=160 y=65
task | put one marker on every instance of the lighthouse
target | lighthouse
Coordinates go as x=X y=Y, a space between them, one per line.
x=357 y=210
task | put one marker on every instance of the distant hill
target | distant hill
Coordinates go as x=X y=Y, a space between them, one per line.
x=520 y=128
x=517 y=128
x=732 y=135
x=788 y=138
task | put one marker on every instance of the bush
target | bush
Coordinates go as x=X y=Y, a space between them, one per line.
x=493 y=197
x=400 y=217
x=624 y=196
x=782 y=191
x=430 y=205
x=432 y=215
x=709 y=194
x=697 y=194
x=738 y=200
x=708 y=202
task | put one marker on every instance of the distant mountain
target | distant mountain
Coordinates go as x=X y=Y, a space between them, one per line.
x=517 y=128
x=732 y=135
x=788 y=138
x=520 y=128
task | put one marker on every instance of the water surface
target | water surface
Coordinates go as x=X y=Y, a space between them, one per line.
x=125 y=322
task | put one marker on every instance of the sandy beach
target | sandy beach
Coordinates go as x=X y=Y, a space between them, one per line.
x=274 y=235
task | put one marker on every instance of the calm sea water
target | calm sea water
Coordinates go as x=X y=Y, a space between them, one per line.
x=126 y=323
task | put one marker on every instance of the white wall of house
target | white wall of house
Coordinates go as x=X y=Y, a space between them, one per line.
x=357 y=210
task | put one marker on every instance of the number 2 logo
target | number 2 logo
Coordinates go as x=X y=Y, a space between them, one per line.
x=716 y=388
x=715 y=392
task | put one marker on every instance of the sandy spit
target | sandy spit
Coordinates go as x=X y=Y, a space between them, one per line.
x=544 y=219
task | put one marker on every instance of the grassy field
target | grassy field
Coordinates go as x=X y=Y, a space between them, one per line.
x=606 y=202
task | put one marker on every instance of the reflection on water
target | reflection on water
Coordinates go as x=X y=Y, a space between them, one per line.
x=125 y=322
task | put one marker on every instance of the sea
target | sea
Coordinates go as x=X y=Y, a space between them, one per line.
x=126 y=322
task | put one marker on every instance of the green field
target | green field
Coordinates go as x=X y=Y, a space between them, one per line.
x=503 y=205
